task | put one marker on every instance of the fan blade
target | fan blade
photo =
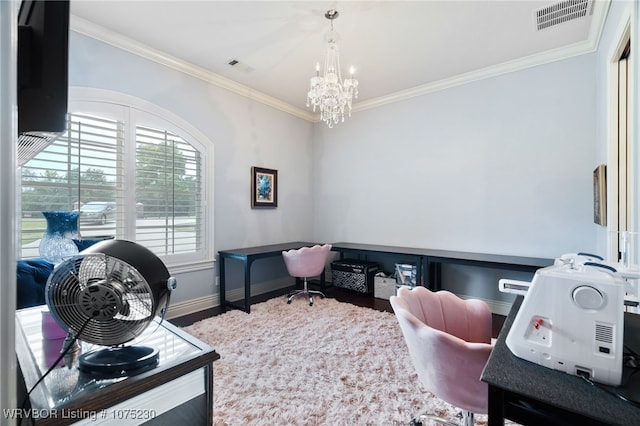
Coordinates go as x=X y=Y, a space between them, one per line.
x=92 y=268
x=125 y=310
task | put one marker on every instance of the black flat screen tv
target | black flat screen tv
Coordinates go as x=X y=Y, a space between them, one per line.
x=43 y=65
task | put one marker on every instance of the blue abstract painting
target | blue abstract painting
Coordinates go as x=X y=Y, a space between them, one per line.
x=264 y=187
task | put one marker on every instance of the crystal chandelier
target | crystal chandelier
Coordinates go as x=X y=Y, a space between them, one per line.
x=329 y=92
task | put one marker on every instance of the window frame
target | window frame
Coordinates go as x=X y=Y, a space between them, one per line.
x=133 y=112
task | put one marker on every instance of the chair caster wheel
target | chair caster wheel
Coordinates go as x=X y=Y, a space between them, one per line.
x=288 y=302
x=415 y=422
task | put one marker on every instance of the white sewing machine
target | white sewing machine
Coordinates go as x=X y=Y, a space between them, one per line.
x=572 y=317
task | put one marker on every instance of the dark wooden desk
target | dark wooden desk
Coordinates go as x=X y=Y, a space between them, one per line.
x=431 y=257
x=530 y=394
x=247 y=256
x=434 y=258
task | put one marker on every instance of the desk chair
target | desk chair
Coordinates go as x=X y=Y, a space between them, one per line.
x=306 y=262
x=449 y=341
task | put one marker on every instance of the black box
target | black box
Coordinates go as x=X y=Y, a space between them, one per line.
x=354 y=275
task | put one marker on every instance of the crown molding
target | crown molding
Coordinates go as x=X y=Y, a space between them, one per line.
x=481 y=74
x=98 y=32
x=599 y=12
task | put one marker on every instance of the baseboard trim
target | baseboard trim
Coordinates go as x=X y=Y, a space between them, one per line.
x=496 y=306
x=187 y=307
x=211 y=301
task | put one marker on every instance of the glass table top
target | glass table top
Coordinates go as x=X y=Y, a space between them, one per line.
x=66 y=383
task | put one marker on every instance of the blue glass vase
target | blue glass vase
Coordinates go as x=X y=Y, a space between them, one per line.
x=57 y=241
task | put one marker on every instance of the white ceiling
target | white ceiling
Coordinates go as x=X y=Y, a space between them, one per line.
x=398 y=48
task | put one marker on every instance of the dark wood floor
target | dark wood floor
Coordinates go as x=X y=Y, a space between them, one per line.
x=339 y=294
x=332 y=292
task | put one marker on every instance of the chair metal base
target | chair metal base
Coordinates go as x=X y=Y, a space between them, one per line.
x=466 y=419
x=305 y=292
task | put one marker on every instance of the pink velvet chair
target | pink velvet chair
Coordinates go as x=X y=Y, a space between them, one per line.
x=449 y=341
x=304 y=263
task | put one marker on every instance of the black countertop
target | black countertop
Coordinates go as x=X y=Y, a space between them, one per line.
x=569 y=393
x=449 y=256
x=267 y=250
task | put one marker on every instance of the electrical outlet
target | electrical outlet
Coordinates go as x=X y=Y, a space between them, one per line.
x=539 y=331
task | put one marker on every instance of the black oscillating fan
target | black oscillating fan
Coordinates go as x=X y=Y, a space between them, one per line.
x=108 y=295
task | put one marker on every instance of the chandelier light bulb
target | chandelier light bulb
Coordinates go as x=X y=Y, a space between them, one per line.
x=328 y=91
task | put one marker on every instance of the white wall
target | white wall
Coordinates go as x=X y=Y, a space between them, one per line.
x=503 y=165
x=245 y=133
x=8 y=164
x=621 y=13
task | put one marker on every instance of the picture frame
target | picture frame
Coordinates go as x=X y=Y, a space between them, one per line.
x=600 y=195
x=264 y=188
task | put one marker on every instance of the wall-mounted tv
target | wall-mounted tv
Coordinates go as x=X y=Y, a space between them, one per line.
x=43 y=64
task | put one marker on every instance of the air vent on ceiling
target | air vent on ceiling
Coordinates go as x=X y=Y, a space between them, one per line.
x=239 y=65
x=561 y=12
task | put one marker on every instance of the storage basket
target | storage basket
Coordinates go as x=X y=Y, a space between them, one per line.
x=354 y=275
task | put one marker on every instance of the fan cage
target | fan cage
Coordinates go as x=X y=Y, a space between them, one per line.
x=104 y=299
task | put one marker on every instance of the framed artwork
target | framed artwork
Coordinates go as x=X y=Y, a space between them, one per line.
x=600 y=195
x=264 y=188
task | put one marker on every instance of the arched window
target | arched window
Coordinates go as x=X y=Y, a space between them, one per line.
x=135 y=171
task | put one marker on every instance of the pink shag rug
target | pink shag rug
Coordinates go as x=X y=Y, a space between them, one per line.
x=330 y=364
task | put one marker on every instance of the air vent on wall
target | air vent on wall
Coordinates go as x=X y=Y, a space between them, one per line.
x=31 y=143
x=604 y=333
x=561 y=12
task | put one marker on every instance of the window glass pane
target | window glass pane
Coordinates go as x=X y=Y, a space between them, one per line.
x=140 y=183
x=80 y=170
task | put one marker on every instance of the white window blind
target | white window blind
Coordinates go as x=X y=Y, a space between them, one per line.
x=81 y=166
x=158 y=192
x=168 y=189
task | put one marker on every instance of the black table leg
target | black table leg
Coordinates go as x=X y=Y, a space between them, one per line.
x=247 y=286
x=496 y=406
x=223 y=289
x=435 y=275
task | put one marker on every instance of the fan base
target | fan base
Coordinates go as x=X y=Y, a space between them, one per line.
x=119 y=362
